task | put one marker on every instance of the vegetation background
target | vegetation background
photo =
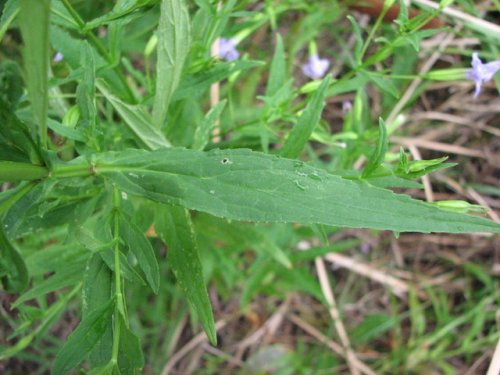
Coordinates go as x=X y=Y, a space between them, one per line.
x=286 y=299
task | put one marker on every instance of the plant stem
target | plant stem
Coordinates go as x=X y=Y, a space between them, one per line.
x=118 y=288
x=71 y=170
x=14 y=171
x=378 y=22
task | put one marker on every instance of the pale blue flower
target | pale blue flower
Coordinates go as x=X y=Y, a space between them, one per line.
x=481 y=73
x=227 y=49
x=58 y=57
x=315 y=67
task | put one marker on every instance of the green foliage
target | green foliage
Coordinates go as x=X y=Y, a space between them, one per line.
x=13 y=272
x=36 y=60
x=174 y=39
x=84 y=338
x=115 y=185
x=174 y=227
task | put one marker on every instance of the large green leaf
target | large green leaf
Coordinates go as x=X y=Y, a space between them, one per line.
x=83 y=339
x=174 y=39
x=34 y=22
x=173 y=224
x=247 y=185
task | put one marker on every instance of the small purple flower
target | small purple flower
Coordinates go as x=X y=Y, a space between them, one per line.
x=227 y=49
x=315 y=67
x=58 y=57
x=481 y=73
x=346 y=107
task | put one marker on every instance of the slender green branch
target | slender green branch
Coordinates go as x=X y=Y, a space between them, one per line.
x=380 y=18
x=118 y=288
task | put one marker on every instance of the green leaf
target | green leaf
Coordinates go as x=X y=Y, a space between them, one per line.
x=204 y=130
x=140 y=246
x=277 y=73
x=174 y=227
x=34 y=23
x=66 y=131
x=70 y=275
x=85 y=94
x=16 y=142
x=130 y=358
x=378 y=155
x=174 y=40
x=13 y=272
x=95 y=293
x=83 y=339
x=9 y=13
x=247 y=185
x=137 y=119
x=306 y=123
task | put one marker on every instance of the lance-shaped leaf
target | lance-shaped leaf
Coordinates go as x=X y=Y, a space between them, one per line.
x=140 y=246
x=83 y=339
x=34 y=22
x=174 y=39
x=137 y=120
x=377 y=157
x=277 y=73
x=97 y=283
x=252 y=186
x=300 y=133
x=174 y=227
